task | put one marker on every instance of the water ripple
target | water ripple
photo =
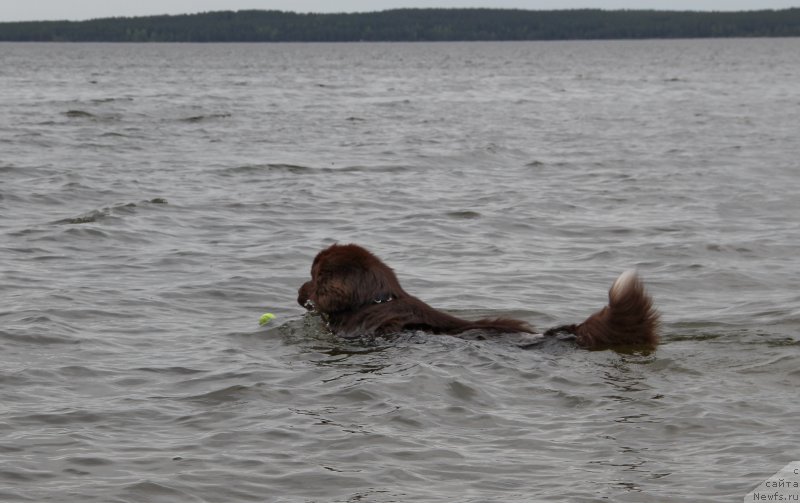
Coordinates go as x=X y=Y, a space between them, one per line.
x=513 y=179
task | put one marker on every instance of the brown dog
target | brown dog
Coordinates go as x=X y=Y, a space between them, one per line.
x=360 y=295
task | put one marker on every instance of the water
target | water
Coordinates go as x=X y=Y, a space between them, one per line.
x=157 y=199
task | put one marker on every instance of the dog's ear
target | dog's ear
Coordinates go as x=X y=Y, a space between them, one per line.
x=347 y=277
x=346 y=285
x=337 y=290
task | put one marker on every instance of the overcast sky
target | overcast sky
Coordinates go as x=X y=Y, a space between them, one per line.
x=29 y=10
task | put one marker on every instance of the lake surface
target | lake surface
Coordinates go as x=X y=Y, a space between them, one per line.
x=155 y=200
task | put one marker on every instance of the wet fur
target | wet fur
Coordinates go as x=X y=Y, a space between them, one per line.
x=360 y=295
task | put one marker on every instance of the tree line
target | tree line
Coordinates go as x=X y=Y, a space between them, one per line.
x=412 y=25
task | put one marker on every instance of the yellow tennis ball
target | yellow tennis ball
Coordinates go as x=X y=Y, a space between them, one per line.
x=266 y=318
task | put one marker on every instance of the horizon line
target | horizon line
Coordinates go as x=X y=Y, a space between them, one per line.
x=710 y=11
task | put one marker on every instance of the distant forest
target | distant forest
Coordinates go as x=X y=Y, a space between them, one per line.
x=412 y=25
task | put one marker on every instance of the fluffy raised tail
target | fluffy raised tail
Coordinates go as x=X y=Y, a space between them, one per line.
x=629 y=319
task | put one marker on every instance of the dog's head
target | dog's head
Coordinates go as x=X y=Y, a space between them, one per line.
x=346 y=278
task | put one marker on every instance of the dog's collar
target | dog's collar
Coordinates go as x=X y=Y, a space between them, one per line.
x=382 y=300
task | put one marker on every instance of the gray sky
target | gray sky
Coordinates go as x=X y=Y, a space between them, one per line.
x=29 y=10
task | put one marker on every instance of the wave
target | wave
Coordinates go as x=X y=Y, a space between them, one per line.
x=97 y=215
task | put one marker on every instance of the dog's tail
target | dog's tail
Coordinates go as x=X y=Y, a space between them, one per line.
x=629 y=319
